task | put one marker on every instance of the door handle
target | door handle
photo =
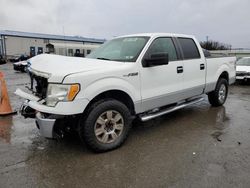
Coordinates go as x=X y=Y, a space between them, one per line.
x=202 y=66
x=180 y=69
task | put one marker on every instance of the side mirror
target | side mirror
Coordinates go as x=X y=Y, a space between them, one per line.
x=155 y=59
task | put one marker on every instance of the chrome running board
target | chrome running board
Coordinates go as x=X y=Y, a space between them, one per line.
x=146 y=117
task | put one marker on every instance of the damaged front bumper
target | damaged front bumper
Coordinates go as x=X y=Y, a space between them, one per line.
x=62 y=108
x=46 y=117
x=45 y=125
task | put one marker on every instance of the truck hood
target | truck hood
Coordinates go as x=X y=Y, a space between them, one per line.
x=56 y=67
x=242 y=68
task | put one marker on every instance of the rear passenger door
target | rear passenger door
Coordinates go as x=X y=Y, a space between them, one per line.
x=193 y=67
x=162 y=85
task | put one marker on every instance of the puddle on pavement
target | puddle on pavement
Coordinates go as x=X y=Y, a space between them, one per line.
x=221 y=122
x=221 y=118
x=15 y=130
x=5 y=128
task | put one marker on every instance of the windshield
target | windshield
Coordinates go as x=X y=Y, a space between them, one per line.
x=244 y=62
x=126 y=49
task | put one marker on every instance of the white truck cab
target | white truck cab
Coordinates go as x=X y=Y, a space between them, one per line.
x=142 y=75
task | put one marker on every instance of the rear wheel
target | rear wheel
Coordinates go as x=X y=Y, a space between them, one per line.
x=106 y=126
x=219 y=95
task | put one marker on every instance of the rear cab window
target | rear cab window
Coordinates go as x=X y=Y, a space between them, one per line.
x=189 y=48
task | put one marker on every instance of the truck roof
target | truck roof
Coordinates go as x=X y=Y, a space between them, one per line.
x=158 y=35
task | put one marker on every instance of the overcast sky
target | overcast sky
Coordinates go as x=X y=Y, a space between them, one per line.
x=227 y=21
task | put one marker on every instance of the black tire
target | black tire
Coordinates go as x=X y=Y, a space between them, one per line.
x=214 y=96
x=88 y=123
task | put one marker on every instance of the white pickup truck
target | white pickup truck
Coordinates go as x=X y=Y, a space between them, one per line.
x=142 y=76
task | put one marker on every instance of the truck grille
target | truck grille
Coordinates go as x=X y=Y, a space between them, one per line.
x=39 y=85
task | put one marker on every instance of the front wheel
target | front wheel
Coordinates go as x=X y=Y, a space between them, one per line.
x=106 y=126
x=219 y=95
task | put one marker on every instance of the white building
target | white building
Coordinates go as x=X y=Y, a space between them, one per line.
x=15 y=43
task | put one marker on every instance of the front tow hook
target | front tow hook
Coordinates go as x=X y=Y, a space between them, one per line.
x=27 y=112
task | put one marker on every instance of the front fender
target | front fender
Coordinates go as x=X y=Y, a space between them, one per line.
x=112 y=83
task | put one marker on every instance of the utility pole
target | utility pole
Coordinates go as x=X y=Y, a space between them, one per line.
x=65 y=45
x=207 y=42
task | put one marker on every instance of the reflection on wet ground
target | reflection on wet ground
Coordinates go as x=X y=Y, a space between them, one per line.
x=5 y=128
x=199 y=146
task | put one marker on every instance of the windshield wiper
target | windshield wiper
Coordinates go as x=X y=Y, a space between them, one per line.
x=103 y=58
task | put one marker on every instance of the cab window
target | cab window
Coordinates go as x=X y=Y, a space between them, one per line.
x=189 y=48
x=163 y=45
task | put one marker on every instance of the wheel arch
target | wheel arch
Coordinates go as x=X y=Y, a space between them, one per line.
x=116 y=94
x=127 y=92
x=224 y=75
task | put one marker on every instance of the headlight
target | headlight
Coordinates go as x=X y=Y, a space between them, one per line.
x=61 y=92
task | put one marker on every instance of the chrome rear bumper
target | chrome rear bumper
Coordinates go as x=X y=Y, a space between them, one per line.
x=242 y=77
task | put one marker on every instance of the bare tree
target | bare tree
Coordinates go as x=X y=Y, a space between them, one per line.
x=214 y=45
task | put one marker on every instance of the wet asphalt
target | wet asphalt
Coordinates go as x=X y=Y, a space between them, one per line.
x=199 y=146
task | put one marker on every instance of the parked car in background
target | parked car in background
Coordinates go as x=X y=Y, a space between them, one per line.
x=18 y=58
x=2 y=60
x=20 y=63
x=20 y=66
x=243 y=69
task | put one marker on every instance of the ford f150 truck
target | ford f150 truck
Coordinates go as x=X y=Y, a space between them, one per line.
x=136 y=76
